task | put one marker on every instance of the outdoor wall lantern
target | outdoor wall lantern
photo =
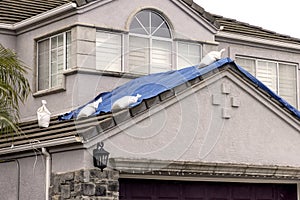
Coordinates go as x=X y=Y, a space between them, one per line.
x=100 y=156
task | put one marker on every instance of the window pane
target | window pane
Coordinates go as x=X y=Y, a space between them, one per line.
x=288 y=83
x=43 y=65
x=188 y=54
x=266 y=73
x=156 y=21
x=161 y=56
x=57 y=58
x=108 y=51
x=137 y=27
x=53 y=56
x=247 y=64
x=138 y=54
x=144 y=18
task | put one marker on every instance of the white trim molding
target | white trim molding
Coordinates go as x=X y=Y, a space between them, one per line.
x=129 y=167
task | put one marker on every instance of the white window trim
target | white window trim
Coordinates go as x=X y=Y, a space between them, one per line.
x=55 y=88
x=187 y=42
x=122 y=67
x=297 y=67
x=151 y=38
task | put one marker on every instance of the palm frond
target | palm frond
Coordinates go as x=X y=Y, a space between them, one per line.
x=14 y=88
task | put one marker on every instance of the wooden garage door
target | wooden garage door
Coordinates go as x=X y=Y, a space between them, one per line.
x=133 y=189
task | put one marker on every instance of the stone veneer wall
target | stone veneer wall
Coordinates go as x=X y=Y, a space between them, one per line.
x=85 y=184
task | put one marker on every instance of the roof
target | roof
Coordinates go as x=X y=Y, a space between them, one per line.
x=77 y=131
x=237 y=27
x=13 y=11
x=152 y=85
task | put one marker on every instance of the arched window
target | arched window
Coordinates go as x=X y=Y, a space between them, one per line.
x=150 y=43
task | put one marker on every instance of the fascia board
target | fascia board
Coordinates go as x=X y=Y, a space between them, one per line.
x=38 y=18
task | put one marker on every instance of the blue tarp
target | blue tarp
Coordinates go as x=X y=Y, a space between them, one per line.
x=151 y=85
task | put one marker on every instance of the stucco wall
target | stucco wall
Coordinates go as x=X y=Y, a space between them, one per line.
x=31 y=180
x=8 y=39
x=208 y=126
x=80 y=88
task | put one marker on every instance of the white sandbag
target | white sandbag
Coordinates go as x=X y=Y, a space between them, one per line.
x=89 y=109
x=124 y=102
x=43 y=115
x=211 y=57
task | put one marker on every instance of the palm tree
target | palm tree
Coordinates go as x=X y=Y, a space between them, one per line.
x=14 y=89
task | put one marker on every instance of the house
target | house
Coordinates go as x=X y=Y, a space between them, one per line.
x=220 y=132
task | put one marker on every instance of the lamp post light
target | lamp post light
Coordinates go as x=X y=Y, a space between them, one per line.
x=100 y=156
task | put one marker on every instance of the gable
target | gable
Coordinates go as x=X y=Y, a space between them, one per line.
x=181 y=17
x=220 y=120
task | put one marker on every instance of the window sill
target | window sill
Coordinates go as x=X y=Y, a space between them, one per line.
x=48 y=91
x=102 y=72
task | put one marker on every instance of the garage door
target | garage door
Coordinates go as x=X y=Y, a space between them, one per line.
x=133 y=189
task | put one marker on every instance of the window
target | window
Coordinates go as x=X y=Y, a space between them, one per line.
x=189 y=54
x=150 y=43
x=147 y=48
x=108 y=51
x=53 y=58
x=278 y=76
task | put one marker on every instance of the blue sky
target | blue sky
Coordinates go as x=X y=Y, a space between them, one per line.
x=279 y=16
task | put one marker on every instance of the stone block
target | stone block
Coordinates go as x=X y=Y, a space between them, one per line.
x=100 y=190
x=78 y=176
x=225 y=88
x=56 y=197
x=65 y=191
x=113 y=186
x=113 y=175
x=67 y=177
x=88 y=189
x=235 y=102
x=226 y=113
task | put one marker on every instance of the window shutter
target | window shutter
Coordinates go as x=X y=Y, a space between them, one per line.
x=288 y=83
x=266 y=72
x=108 y=51
x=188 y=54
x=138 y=54
x=161 y=56
x=43 y=65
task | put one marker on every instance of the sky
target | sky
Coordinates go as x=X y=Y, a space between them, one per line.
x=275 y=15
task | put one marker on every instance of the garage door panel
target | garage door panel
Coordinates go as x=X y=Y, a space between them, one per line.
x=132 y=189
x=193 y=191
x=168 y=191
x=265 y=192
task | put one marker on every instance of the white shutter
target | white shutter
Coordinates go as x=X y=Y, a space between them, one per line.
x=43 y=65
x=188 y=54
x=108 y=51
x=161 y=56
x=288 y=83
x=266 y=72
x=138 y=54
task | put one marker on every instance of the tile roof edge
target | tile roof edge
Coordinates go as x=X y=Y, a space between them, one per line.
x=253 y=26
x=39 y=17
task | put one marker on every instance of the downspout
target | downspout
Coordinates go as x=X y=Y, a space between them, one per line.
x=48 y=171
